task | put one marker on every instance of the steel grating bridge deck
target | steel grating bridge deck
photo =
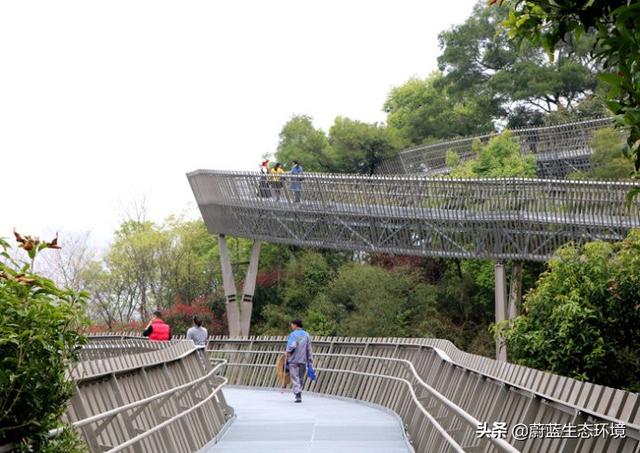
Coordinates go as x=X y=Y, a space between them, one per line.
x=524 y=219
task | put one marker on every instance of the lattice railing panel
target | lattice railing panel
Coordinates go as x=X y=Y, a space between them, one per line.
x=488 y=218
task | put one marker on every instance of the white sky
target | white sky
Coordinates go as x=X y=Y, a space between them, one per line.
x=103 y=103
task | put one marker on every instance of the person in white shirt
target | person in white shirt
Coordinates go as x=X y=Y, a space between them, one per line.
x=197 y=333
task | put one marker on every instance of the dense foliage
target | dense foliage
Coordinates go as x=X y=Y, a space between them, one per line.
x=499 y=158
x=609 y=160
x=40 y=328
x=583 y=317
x=522 y=84
x=616 y=25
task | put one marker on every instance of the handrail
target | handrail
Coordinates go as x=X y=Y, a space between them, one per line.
x=470 y=419
x=120 y=409
x=126 y=369
x=156 y=428
x=419 y=405
x=571 y=407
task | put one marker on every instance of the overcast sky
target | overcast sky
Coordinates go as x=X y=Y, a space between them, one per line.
x=104 y=103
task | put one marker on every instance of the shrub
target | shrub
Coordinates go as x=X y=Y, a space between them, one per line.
x=180 y=317
x=39 y=340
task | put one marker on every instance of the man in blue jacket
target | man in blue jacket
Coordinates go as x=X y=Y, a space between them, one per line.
x=299 y=355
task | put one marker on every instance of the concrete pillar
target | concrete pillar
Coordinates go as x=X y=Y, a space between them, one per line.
x=249 y=289
x=515 y=291
x=233 y=309
x=501 y=307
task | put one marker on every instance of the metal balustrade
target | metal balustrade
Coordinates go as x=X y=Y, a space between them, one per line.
x=523 y=219
x=558 y=150
x=457 y=396
x=134 y=395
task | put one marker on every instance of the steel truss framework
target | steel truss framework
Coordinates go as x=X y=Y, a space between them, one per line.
x=558 y=150
x=520 y=219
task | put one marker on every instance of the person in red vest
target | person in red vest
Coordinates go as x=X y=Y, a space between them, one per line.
x=157 y=329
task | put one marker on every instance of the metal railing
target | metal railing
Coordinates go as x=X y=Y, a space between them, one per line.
x=471 y=394
x=526 y=219
x=389 y=382
x=166 y=399
x=558 y=149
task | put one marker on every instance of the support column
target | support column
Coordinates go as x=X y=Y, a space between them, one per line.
x=501 y=306
x=515 y=290
x=249 y=289
x=233 y=310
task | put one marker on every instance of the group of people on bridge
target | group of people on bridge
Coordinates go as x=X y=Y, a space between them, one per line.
x=272 y=180
x=297 y=361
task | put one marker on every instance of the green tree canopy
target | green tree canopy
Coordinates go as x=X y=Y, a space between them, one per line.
x=479 y=60
x=500 y=158
x=300 y=140
x=423 y=110
x=360 y=147
x=608 y=159
x=616 y=23
x=582 y=318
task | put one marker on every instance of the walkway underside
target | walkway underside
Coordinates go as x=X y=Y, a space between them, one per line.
x=269 y=421
x=495 y=219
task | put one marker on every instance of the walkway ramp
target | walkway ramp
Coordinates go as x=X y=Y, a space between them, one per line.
x=269 y=421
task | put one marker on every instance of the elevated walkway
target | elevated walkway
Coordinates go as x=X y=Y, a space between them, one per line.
x=138 y=396
x=498 y=219
x=269 y=421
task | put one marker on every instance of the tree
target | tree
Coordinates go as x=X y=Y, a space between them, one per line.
x=616 y=24
x=67 y=266
x=301 y=141
x=360 y=147
x=368 y=301
x=479 y=60
x=608 y=158
x=305 y=275
x=581 y=320
x=500 y=158
x=424 y=110
x=135 y=258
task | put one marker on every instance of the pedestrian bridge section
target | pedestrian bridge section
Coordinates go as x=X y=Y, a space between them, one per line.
x=499 y=219
x=135 y=395
x=558 y=150
x=268 y=421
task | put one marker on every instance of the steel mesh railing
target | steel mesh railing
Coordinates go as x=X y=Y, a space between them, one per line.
x=558 y=150
x=499 y=219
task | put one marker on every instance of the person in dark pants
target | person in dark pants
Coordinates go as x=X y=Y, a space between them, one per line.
x=296 y=181
x=299 y=355
x=157 y=329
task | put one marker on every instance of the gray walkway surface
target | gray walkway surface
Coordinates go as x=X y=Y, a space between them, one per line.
x=269 y=421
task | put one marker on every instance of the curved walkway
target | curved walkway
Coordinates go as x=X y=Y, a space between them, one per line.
x=269 y=421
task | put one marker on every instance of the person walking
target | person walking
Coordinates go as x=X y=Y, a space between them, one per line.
x=157 y=329
x=296 y=181
x=299 y=356
x=197 y=333
x=276 y=181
